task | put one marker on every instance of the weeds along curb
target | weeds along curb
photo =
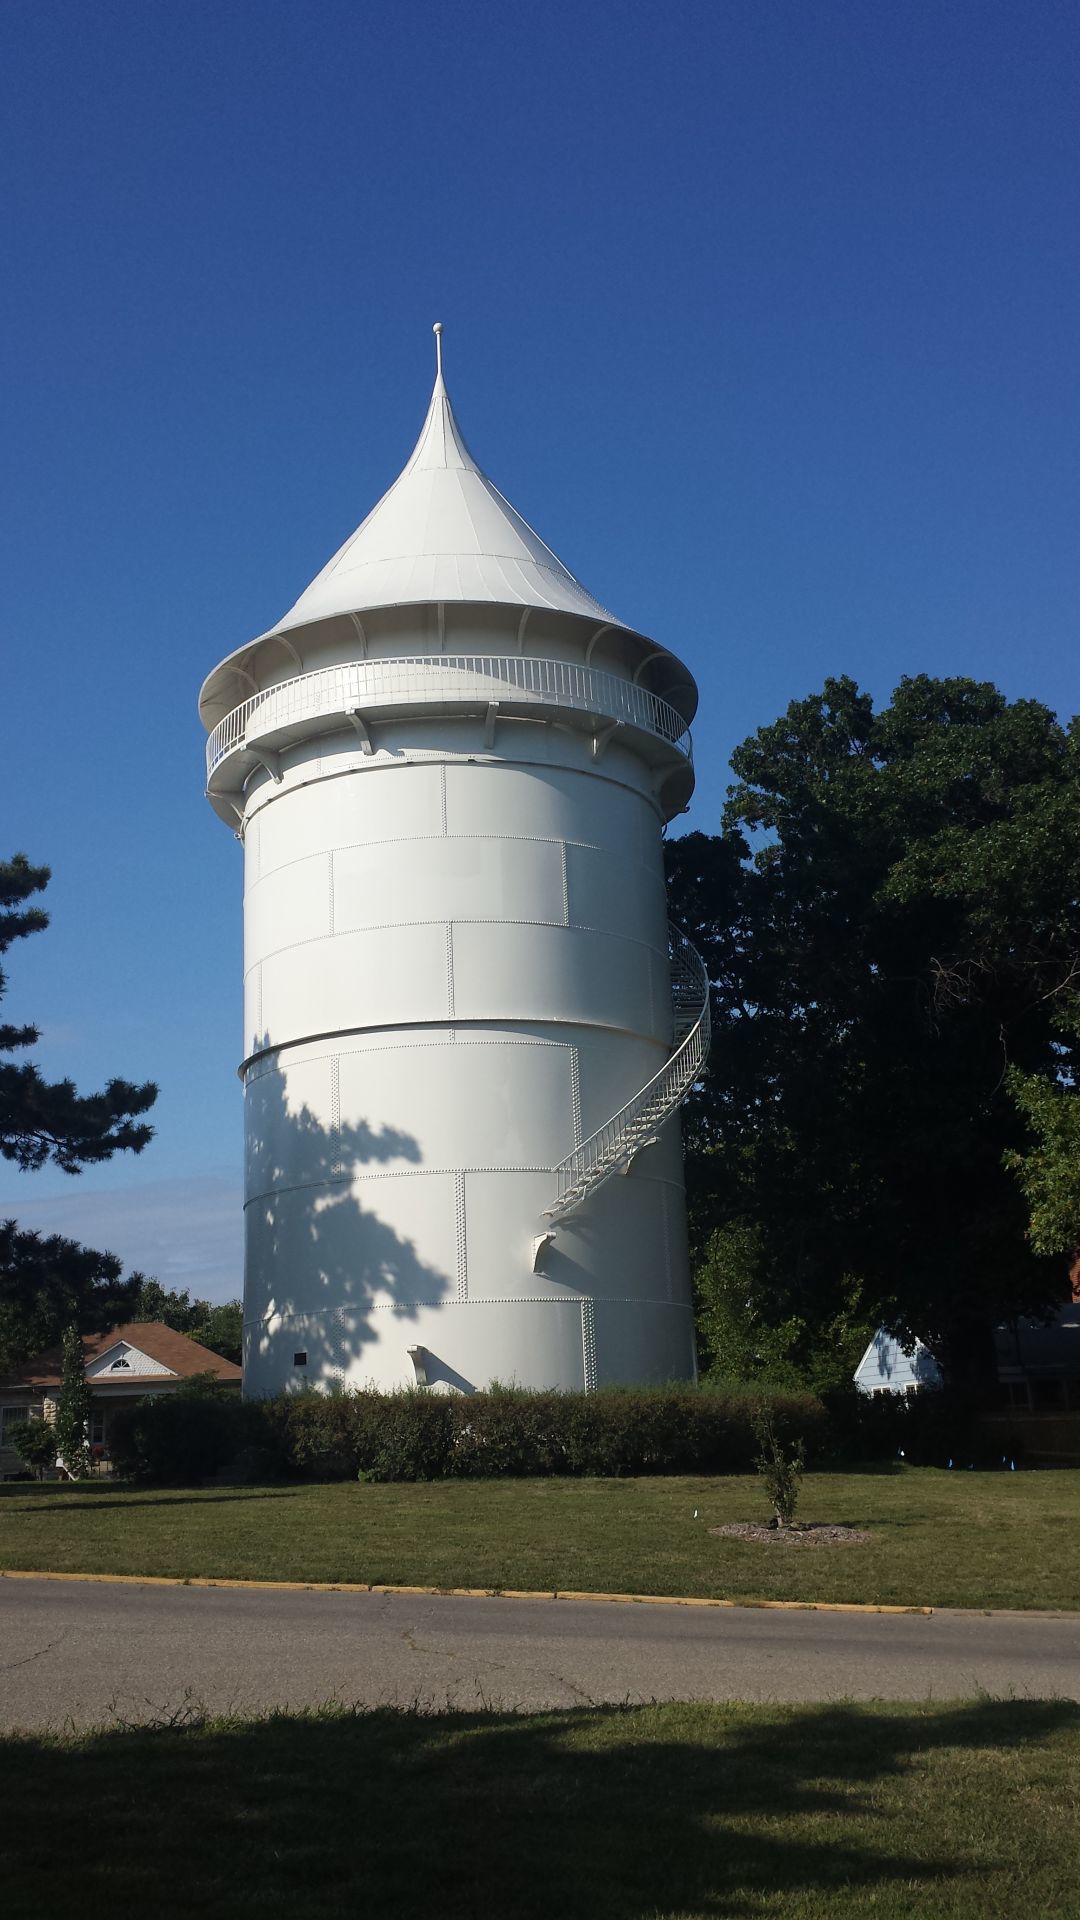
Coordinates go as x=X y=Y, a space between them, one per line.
x=463 y=1593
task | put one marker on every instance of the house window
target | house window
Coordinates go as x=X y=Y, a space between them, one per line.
x=97 y=1427
x=10 y=1418
x=300 y=1359
x=120 y=1366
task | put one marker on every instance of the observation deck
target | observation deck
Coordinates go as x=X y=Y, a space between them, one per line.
x=362 y=693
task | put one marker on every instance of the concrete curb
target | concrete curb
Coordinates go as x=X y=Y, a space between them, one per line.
x=462 y=1593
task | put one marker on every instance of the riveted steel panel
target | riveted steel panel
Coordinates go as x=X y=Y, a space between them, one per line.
x=555 y=973
x=459 y=1103
x=643 y=1342
x=606 y=894
x=396 y=803
x=289 y=1127
x=290 y=904
x=481 y=878
x=353 y=1247
x=380 y=978
x=553 y=802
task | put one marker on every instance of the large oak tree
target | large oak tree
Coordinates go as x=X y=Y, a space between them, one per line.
x=891 y=919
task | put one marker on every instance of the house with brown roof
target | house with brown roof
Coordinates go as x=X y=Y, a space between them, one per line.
x=123 y=1365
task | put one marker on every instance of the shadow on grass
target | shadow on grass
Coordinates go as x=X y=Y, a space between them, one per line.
x=134 y=1498
x=598 y=1814
x=846 y=1468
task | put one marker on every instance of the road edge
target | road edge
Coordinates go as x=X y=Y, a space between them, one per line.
x=462 y=1593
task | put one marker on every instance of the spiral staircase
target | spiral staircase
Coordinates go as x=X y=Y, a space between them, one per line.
x=613 y=1147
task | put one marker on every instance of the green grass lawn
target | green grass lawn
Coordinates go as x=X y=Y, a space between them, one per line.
x=953 y=1812
x=940 y=1539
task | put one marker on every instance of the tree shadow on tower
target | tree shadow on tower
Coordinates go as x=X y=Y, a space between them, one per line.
x=326 y=1267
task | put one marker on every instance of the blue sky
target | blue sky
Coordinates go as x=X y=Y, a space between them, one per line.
x=764 y=314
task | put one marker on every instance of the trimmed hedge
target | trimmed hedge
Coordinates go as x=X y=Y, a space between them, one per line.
x=934 y=1428
x=417 y=1435
x=184 y=1437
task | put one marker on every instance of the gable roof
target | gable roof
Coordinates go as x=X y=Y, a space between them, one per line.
x=886 y=1365
x=181 y=1355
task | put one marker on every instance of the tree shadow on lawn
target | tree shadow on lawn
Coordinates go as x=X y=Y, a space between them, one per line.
x=600 y=1814
x=848 y=1469
x=92 y=1504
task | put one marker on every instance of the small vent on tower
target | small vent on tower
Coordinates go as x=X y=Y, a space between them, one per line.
x=300 y=1359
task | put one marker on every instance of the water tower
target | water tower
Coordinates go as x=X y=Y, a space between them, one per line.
x=468 y=1026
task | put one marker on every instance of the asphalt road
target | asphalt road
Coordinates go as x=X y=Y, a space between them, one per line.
x=77 y=1654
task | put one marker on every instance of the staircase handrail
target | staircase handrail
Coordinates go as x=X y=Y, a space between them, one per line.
x=614 y=1144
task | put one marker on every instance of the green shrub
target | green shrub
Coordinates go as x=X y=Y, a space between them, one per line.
x=780 y=1463
x=182 y=1438
x=413 y=1434
x=34 y=1441
x=927 y=1429
x=508 y=1432
x=318 y=1435
x=408 y=1435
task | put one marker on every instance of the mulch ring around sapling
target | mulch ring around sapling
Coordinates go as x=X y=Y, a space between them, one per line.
x=796 y=1534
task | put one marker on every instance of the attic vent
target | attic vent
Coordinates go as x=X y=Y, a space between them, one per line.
x=300 y=1359
x=120 y=1366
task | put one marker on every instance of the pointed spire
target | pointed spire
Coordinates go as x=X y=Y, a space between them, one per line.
x=441 y=443
x=443 y=532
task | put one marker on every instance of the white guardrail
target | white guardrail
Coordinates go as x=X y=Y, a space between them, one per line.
x=427 y=680
x=612 y=1147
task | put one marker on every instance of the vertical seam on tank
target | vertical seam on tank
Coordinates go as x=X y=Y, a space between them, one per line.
x=565 y=884
x=462 y=1237
x=442 y=795
x=666 y=1216
x=450 y=1008
x=335 y=1116
x=330 y=860
x=338 y=1371
x=652 y=994
x=588 y=1344
x=575 y=1093
x=259 y=998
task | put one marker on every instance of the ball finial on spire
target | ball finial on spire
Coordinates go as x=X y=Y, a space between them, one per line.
x=437 y=331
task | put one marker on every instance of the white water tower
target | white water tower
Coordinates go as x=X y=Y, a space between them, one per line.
x=468 y=1025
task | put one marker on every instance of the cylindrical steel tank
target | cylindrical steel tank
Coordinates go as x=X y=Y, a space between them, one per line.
x=457 y=963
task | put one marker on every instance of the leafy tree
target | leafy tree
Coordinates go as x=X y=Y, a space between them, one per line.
x=890 y=917
x=1048 y=1165
x=34 y=1441
x=740 y=1336
x=171 y=1306
x=73 y=1409
x=42 y=1120
x=46 y=1282
x=220 y=1327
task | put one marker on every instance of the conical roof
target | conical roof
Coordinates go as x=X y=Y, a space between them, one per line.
x=442 y=532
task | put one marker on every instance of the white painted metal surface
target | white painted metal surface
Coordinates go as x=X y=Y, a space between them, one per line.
x=458 y=979
x=442 y=532
x=374 y=689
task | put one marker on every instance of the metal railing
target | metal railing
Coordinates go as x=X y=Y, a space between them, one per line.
x=428 y=680
x=612 y=1147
